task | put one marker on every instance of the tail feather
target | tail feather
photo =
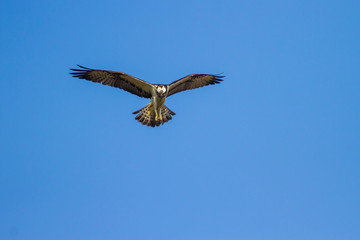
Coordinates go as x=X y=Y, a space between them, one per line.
x=146 y=115
x=166 y=114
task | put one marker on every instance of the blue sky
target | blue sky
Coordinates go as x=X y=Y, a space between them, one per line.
x=271 y=153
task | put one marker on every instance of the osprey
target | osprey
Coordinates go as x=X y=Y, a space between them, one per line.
x=155 y=113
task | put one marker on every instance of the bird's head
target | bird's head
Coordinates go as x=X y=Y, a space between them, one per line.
x=161 y=90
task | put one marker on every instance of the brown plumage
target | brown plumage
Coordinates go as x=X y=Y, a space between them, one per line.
x=115 y=79
x=155 y=113
x=146 y=115
x=193 y=81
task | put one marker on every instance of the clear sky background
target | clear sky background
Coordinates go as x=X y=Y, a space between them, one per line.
x=271 y=153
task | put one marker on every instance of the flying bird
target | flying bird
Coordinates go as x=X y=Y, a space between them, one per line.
x=155 y=113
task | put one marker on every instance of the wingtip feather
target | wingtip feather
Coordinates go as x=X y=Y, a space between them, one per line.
x=82 y=66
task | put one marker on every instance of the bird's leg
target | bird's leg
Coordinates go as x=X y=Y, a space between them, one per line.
x=155 y=107
x=158 y=115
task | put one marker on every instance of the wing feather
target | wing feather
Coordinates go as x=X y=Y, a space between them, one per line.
x=115 y=79
x=193 y=81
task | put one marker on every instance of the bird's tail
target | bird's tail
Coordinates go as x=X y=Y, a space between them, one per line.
x=146 y=115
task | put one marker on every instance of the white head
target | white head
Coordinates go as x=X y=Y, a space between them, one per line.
x=161 y=90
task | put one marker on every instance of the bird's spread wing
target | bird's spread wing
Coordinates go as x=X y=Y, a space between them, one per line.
x=193 y=81
x=115 y=79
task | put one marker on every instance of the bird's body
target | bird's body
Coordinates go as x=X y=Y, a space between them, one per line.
x=155 y=113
